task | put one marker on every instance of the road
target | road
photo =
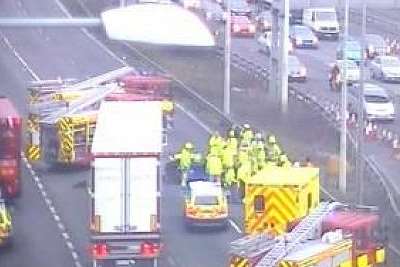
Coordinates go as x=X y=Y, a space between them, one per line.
x=49 y=54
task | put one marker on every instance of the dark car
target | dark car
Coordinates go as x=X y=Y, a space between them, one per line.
x=375 y=45
x=239 y=8
x=302 y=36
x=197 y=173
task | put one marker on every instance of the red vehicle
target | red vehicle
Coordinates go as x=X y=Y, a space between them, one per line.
x=242 y=26
x=10 y=149
x=368 y=236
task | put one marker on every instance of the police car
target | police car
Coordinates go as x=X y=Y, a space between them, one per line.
x=205 y=205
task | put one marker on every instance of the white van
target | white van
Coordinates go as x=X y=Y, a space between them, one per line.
x=323 y=21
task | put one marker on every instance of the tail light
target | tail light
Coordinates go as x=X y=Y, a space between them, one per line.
x=191 y=210
x=149 y=249
x=8 y=168
x=99 y=250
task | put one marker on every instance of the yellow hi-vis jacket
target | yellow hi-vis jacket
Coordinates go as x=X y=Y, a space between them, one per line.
x=228 y=157
x=214 y=165
x=5 y=223
x=167 y=106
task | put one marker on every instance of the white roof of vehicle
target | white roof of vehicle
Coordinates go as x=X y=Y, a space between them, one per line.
x=205 y=188
x=322 y=9
x=128 y=127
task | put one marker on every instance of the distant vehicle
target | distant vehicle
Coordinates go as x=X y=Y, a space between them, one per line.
x=353 y=49
x=196 y=173
x=264 y=21
x=378 y=105
x=265 y=41
x=323 y=21
x=240 y=8
x=242 y=26
x=352 y=71
x=385 y=68
x=375 y=45
x=191 y=4
x=297 y=70
x=303 y=37
x=296 y=16
x=10 y=149
x=205 y=205
x=164 y=2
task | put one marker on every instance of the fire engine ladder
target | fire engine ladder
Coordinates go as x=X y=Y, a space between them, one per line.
x=252 y=245
x=300 y=233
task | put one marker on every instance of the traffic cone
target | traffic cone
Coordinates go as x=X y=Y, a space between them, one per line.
x=368 y=131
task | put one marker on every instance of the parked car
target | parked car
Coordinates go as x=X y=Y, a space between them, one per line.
x=353 y=49
x=296 y=70
x=242 y=26
x=264 y=21
x=240 y=8
x=302 y=36
x=385 y=68
x=265 y=42
x=375 y=45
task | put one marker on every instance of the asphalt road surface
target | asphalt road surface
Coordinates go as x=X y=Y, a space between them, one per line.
x=71 y=53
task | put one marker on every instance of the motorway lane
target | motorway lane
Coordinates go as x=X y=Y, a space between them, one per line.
x=37 y=241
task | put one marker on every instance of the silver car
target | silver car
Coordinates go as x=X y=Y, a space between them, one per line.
x=378 y=105
x=296 y=70
x=385 y=68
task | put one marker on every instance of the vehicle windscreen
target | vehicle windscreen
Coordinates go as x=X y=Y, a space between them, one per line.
x=376 y=99
x=304 y=31
x=206 y=200
x=326 y=16
x=239 y=5
x=390 y=62
x=8 y=144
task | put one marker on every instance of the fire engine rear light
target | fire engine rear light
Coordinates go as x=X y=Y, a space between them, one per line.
x=7 y=171
x=99 y=250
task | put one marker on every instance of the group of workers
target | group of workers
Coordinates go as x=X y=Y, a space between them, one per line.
x=235 y=158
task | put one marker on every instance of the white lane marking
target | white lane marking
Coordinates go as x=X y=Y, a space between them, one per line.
x=194 y=118
x=394 y=249
x=91 y=36
x=171 y=261
x=18 y=56
x=34 y=176
x=235 y=226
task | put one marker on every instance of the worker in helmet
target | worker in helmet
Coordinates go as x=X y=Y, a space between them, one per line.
x=185 y=159
x=214 y=166
x=273 y=149
x=284 y=161
x=167 y=107
x=215 y=143
x=260 y=156
x=232 y=142
x=243 y=154
x=246 y=134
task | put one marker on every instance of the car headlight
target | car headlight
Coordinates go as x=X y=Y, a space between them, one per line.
x=315 y=39
x=298 y=41
x=236 y=28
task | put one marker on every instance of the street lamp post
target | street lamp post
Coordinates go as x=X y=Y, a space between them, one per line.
x=343 y=111
x=360 y=133
x=227 y=76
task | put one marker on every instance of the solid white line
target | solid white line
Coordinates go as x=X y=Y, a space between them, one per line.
x=18 y=56
x=394 y=249
x=235 y=226
x=194 y=118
